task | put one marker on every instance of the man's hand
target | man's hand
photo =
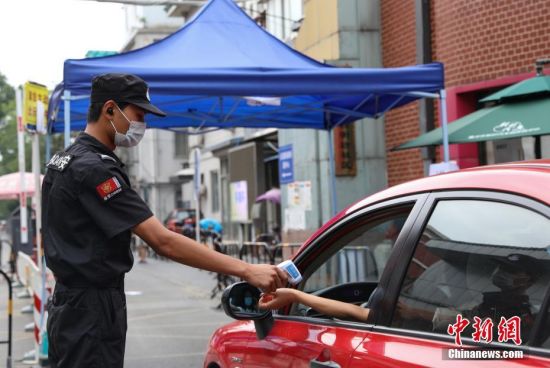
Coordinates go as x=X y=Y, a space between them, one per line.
x=266 y=277
x=277 y=299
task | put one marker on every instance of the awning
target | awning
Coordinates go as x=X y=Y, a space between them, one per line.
x=10 y=185
x=222 y=70
x=529 y=88
x=510 y=120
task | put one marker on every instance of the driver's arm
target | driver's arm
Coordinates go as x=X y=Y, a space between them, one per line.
x=329 y=307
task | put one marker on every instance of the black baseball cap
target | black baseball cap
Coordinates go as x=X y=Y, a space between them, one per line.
x=123 y=88
x=520 y=263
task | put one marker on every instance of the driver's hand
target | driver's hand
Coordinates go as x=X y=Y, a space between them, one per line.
x=266 y=277
x=277 y=299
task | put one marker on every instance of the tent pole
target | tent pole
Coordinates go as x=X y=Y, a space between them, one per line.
x=334 y=200
x=445 y=132
x=67 y=118
x=37 y=195
x=48 y=153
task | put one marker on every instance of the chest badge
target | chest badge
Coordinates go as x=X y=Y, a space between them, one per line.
x=109 y=188
x=59 y=161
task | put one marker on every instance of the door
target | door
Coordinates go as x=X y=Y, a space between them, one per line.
x=345 y=264
x=479 y=255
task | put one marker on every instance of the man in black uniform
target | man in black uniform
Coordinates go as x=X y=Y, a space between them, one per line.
x=89 y=214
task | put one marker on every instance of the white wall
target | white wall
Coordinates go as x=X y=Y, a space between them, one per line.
x=138 y=17
x=153 y=161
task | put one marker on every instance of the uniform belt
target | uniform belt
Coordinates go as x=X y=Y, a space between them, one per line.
x=84 y=284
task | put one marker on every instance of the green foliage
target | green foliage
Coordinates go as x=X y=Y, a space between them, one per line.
x=7 y=97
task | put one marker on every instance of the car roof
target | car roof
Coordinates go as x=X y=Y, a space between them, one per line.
x=527 y=178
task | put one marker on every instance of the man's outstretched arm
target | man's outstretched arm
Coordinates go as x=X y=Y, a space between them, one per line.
x=187 y=251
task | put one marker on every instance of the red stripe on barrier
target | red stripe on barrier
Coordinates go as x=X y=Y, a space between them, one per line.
x=37 y=302
x=36 y=333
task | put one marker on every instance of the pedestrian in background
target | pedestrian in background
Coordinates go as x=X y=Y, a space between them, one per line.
x=89 y=213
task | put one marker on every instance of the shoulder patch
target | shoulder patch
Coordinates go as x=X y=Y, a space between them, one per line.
x=106 y=158
x=60 y=161
x=109 y=188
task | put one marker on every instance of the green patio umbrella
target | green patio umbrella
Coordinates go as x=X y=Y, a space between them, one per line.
x=528 y=89
x=511 y=120
x=522 y=110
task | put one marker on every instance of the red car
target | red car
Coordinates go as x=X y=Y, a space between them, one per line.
x=175 y=220
x=426 y=257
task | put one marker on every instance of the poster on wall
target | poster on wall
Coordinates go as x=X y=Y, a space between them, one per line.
x=239 y=201
x=295 y=219
x=299 y=195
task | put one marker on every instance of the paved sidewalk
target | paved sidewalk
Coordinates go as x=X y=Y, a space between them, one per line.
x=170 y=317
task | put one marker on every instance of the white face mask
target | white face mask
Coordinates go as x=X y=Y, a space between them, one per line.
x=133 y=136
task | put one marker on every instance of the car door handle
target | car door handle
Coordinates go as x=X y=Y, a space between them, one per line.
x=314 y=363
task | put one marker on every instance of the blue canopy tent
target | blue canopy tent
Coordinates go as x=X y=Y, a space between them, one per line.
x=221 y=70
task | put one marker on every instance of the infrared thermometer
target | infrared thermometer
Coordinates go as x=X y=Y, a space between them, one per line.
x=294 y=276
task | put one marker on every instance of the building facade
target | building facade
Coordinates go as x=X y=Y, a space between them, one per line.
x=344 y=34
x=153 y=164
x=485 y=46
x=472 y=38
x=246 y=158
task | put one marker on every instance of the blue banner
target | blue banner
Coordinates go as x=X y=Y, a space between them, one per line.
x=286 y=165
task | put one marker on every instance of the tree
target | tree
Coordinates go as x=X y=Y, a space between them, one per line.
x=8 y=139
x=7 y=96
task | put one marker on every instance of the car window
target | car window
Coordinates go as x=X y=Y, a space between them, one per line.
x=478 y=259
x=358 y=252
x=543 y=339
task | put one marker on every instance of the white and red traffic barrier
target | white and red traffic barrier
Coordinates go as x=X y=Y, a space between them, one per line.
x=39 y=285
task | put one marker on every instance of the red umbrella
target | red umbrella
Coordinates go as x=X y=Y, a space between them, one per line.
x=272 y=195
x=10 y=185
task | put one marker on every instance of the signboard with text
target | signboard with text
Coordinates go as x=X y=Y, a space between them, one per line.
x=286 y=165
x=35 y=100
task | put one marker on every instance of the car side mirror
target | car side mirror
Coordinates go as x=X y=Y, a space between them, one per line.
x=240 y=302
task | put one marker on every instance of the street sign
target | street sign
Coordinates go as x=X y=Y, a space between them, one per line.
x=286 y=165
x=33 y=94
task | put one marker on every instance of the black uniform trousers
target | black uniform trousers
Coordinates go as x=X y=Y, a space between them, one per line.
x=87 y=326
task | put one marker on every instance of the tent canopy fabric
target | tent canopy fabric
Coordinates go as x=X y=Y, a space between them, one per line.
x=202 y=74
x=511 y=120
x=272 y=195
x=10 y=185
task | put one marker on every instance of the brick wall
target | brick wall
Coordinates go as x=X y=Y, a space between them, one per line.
x=482 y=40
x=399 y=49
x=477 y=40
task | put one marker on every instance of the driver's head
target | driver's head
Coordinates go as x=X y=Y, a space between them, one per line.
x=516 y=272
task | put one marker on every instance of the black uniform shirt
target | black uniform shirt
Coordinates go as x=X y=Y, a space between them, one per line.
x=88 y=211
